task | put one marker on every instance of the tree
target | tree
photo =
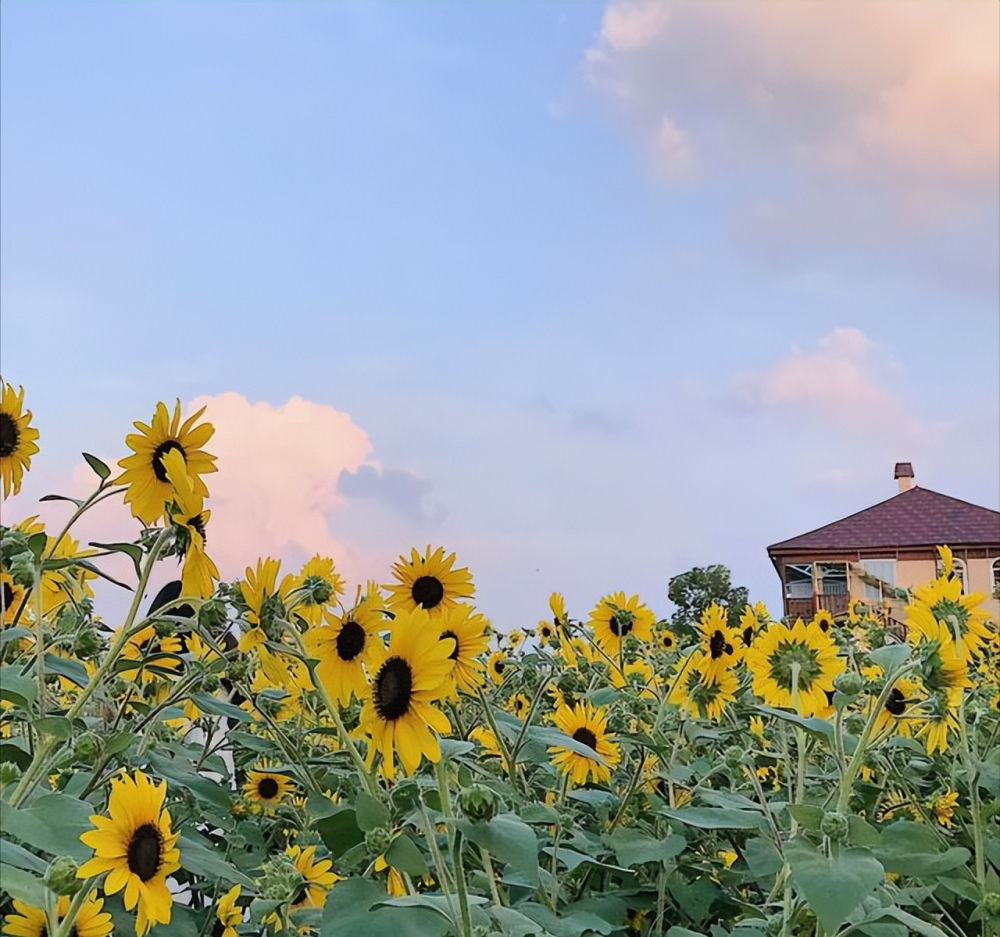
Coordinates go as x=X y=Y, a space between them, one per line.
x=692 y=592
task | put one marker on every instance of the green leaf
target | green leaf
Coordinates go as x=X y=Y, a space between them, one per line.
x=205 y=861
x=17 y=689
x=861 y=832
x=79 y=504
x=763 y=857
x=508 y=839
x=14 y=634
x=677 y=931
x=818 y=728
x=36 y=543
x=696 y=897
x=52 y=823
x=118 y=743
x=370 y=813
x=59 y=727
x=604 y=696
x=23 y=885
x=515 y=924
x=808 y=815
x=891 y=657
x=340 y=832
x=175 y=771
x=348 y=912
x=912 y=849
x=715 y=818
x=12 y=751
x=833 y=887
x=211 y=706
x=403 y=854
x=574 y=924
x=915 y=924
x=71 y=670
x=12 y=854
x=100 y=469
x=633 y=847
x=132 y=550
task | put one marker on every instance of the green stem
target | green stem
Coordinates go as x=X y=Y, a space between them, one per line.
x=101 y=494
x=484 y=856
x=501 y=741
x=463 y=895
x=973 y=782
x=629 y=791
x=66 y=927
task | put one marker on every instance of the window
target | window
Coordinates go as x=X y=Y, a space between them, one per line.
x=958 y=570
x=995 y=579
x=833 y=578
x=878 y=576
x=798 y=581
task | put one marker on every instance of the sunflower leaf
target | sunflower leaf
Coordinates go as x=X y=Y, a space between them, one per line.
x=370 y=813
x=132 y=550
x=509 y=839
x=23 y=886
x=403 y=854
x=78 y=503
x=891 y=657
x=99 y=467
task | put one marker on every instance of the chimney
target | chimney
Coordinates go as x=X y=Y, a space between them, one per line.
x=904 y=475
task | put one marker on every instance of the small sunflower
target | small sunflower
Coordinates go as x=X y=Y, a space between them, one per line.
x=136 y=847
x=694 y=690
x=586 y=725
x=614 y=618
x=267 y=789
x=470 y=632
x=943 y=807
x=750 y=624
x=546 y=632
x=514 y=638
x=317 y=877
x=318 y=585
x=428 y=582
x=399 y=715
x=824 y=619
x=266 y=601
x=665 y=640
x=486 y=739
x=145 y=474
x=17 y=438
x=941 y=720
x=91 y=921
x=496 y=664
x=794 y=667
x=200 y=574
x=518 y=704
x=892 y=716
x=557 y=605
x=720 y=646
x=228 y=913
x=638 y=676
x=345 y=646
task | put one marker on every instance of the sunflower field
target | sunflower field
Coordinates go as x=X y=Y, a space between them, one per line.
x=286 y=753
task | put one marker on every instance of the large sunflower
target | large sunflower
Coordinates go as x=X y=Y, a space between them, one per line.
x=471 y=633
x=398 y=715
x=90 y=921
x=428 y=582
x=17 y=438
x=586 y=725
x=794 y=667
x=145 y=474
x=345 y=646
x=614 y=618
x=136 y=847
x=941 y=602
x=199 y=574
x=496 y=665
x=721 y=647
x=694 y=688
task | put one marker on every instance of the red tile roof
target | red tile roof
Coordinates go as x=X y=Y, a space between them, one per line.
x=917 y=517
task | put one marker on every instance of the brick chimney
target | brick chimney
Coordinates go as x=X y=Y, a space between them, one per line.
x=904 y=476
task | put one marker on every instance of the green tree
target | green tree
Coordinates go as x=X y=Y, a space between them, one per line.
x=692 y=592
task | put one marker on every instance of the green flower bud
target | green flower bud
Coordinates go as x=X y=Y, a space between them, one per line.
x=734 y=756
x=212 y=615
x=210 y=682
x=991 y=904
x=237 y=670
x=478 y=803
x=855 y=723
x=9 y=773
x=61 y=878
x=377 y=841
x=775 y=925
x=836 y=826
x=22 y=569
x=87 y=643
x=87 y=748
x=164 y=628
x=279 y=879
x=318 y=590
x=850 y=683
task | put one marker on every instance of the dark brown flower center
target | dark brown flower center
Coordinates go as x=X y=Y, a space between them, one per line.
x=451 y=634
x=350 y=640
x=896 y=703
x=586 y=737
x=718 y=645
x=393 y=689
x=161 y=450
x=145 y=852
x=747 y=636
x=198 y=523
x=10 y=435
x=8 y=595
x=427 y=591
x=498 y=666
x=267 y=788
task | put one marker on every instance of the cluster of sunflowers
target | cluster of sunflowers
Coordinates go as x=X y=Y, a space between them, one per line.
x=267 y=755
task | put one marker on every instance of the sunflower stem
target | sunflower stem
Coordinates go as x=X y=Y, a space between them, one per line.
x=629 y=791
x=484 y=856
x=973 y=781
x=39 y=639
x=65 y=929
x=501 y=741
x=542 y=684
x=463 y=895
x=104 y=490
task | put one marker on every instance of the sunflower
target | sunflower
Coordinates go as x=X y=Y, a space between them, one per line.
x=17 y=438
x=345 y=646
x=615 y=617
x=495 y=666
x=145 y=474
x=394 y=884
x=428 y=582
x=518 y=704
x=943 y=807
x=557 y=605
x=720 y=646
x=155 y=657
x=398 y=715
x=470 y=633
x=90 y=920
x=66 y=584
x=942 y=665
x=900 y=698
x=638 y=676
x=318 y=584
x=136 y=846
x=586 y=725
x=794 y=667
x=750 y=624
x=824 y=619
x=941 y=720
x=266 y=601
x=546 y=632
x=665 y=640
x=487 y=740
x=318 y=878
x=228 y=913
x=514 y=638
x=692 y=689
x=267 y=789
x=200 y=573
x=941 y=602
x=11 y=597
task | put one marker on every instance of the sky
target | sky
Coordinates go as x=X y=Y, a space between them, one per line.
x=588 y=293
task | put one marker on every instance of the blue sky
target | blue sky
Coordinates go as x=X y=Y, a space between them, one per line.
x=606 y=290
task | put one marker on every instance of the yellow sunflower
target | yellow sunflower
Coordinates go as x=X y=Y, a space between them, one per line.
x=514 y=638
x=892 y=717
x=399 y=715
x=17 y=438
x=941 y=602
x=586 y=725
x=11 y=597
x=266 y=789
x=750 y=624
x=394 y=885
x=546 y=631
x=496 y=664
x=794 y=667
x=638 y=676
x=145 y=474
x=156 y=657
x=824 y=619
x=317 y=877
x=428 y=582
x=91 y=921
x=486 y=739
x=266 y=601
x=693 y=688
x=229 y=914
x=318 y=584
x=720 y=646
x=518 y=704
x=346 y=646
x=136 y=847
x=200 y=574
x=470 y=632
x=942 y=665
x=614 y=618
x=941 y=720
x=943 y=807
x=59 y=586
x=665 y=640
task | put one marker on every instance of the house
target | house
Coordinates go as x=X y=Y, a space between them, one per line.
x=879 y=552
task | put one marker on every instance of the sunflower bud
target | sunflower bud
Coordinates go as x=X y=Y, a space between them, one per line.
x=164 y=628
x=210 y=682
x=855 y=723
x=87 y=643
x=61 y=878
x=378 y=840
x=238 y=670
x=279 y=879
x=849 y=683
x=318 y=590
x=22 y=569
x=212 y=615
x=734 y=756
x=775 y=925
x=991 y=904
x=836 y=826
x=9 y=773
x=87 y=748
x=478 y=803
